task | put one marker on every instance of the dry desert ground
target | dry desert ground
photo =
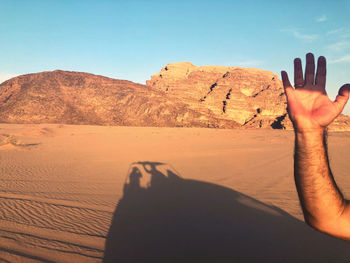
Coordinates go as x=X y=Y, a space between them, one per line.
x=133 y=194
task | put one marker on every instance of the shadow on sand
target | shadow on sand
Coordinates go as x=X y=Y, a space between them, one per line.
x=164 y=218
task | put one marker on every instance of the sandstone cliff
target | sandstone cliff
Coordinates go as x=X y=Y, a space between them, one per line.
x=251 y=97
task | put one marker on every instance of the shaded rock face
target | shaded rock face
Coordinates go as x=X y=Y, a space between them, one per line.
x=82 y=98
x=254 y=98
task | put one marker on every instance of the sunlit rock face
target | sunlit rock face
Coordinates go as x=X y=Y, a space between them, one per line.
x=180 y=95
x=251 y=97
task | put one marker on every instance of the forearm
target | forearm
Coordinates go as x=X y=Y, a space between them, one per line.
x=321 y=200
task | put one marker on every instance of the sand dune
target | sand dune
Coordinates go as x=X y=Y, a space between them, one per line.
x=219 y=194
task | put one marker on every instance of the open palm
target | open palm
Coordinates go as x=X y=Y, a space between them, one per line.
x=309 y=107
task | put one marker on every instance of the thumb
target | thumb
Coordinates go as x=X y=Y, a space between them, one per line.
x=342 y=97
x=344 y=90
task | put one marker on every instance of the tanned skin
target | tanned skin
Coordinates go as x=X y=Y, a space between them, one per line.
x=311 y=111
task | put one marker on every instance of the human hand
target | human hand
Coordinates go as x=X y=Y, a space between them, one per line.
x=309 y=106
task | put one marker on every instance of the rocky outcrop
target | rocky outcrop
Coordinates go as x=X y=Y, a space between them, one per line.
x=253 y=98
x=82 y=98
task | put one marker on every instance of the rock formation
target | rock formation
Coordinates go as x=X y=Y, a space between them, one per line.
x=181 y=95
x=82 y=98
x=251 y=97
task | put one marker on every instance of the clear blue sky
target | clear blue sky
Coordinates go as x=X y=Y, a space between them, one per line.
x=135 y=39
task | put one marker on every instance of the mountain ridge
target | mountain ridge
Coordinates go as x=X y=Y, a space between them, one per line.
x=180 y=95
x=84 y=98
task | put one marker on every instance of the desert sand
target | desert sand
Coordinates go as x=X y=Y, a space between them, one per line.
x=72 y=194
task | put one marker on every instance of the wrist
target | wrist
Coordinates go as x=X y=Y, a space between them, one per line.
x=310 y=136
x=310 y=132
x=307 y=126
